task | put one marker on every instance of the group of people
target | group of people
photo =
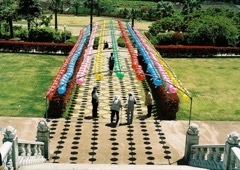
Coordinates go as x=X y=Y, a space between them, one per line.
x=117 y=105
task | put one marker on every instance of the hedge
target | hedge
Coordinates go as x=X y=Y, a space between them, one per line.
x=198 y=51
x=35 y=47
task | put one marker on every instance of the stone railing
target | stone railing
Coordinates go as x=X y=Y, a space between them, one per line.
x=224 y=156
x=16 y=153
x=207 y=156
x=234 y=158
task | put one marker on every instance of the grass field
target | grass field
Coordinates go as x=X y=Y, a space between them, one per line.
x=213 y=84
x=24 y=79
x=75 y=23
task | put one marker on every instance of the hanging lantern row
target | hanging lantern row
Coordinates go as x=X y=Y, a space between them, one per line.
x=87 y=57
x=51 y=90
x=156 y=77
x=135 y=65
x=185 y=94
x=70 y=70
x=160 y=68
x=117 y=60
x=98 y=58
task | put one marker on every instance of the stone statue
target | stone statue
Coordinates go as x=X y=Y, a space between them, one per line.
x=42 y=126
x=233 y=138
x=9 y=133
x=193 y=129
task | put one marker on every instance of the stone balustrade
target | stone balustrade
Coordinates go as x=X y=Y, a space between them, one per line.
x=30 y=152
x=224 y=156
x=207 y=156
x=6 y=154
x=16 y=153
x=235 y=158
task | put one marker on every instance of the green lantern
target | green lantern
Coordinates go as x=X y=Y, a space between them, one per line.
x=120 y=75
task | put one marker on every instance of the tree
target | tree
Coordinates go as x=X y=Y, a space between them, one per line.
x=133 y=16
x=8 y=13
x=29 y=10
x=88 y=4
x=174 y=23
x=151 y=13
x=124 y=12
x=212 y=30
x=55 y=6
x=190 y=5
x=46 y=20
x=164 y=9
x=76 y=5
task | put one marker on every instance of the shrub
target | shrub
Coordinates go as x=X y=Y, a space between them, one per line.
x=72 y=40
x=45 y=35
x=121 y=42
x=208 y=30
x=68 y=35
x=57 y=37
x=177 y=38
x=164 y=38
x=21 y=33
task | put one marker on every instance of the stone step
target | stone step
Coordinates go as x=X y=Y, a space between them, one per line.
x=51 y=166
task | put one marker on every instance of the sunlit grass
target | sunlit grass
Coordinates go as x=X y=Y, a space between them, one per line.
x=213 y=84
x=24 y=79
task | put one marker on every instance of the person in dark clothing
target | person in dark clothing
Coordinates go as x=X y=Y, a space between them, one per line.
x=95 y=101
x=111 y=63
x=106 y=45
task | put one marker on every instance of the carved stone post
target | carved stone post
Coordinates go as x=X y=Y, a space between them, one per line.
x=9 y=135
x=232 y=141
x=43 y=136
x=192 y=138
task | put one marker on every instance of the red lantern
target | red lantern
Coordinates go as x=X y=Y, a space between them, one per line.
x=50 y=96
x=141 y=77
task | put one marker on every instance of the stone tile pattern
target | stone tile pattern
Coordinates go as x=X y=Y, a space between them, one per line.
x=80 y=139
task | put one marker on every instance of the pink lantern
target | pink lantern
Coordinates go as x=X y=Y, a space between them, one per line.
x=173 y=89
x=80 y=81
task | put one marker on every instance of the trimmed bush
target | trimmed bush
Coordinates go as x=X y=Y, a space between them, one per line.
x=21 y=33
x=121 y=42
x=44 y=35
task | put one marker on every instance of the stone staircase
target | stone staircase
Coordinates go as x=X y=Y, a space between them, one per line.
x=48 y=166
x=80 y=142
x=80 y=139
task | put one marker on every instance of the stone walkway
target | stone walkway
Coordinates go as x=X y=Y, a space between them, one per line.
x=81 y=139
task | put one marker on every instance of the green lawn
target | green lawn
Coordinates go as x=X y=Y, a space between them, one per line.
x=213 y=84
x=24 y=79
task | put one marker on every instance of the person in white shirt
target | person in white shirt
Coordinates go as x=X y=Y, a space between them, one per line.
x=116 y=106
x=148 y=102
x=130 y=107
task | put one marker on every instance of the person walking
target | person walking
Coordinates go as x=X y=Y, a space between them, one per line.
x=148 y=102
x=130 y=107
x=111 y=63
x=95 y=101
x=116 y=106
